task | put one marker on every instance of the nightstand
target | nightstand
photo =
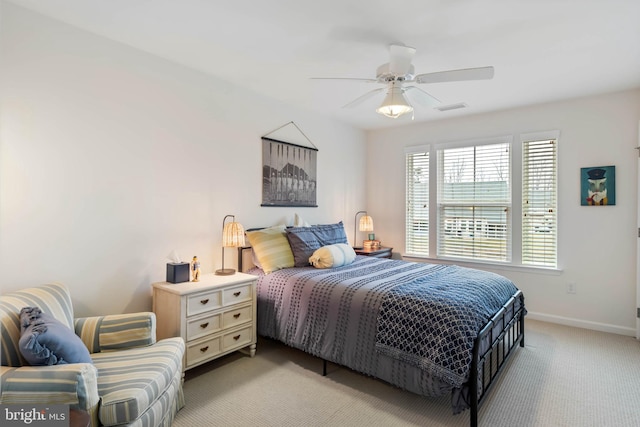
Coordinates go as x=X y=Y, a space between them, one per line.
x=381 y=252
x=215 y=316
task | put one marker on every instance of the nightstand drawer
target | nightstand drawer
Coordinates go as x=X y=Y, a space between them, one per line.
x=203 y=302
x=237 y=295
x=203 y=350
x=237 y=338
x=202 y=326
x=237 y=316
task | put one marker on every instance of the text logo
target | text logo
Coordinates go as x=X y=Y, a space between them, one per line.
x=34 y=415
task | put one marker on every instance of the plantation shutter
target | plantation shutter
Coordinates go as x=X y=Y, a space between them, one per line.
x=417 y=200
x=539 y=203
x=474 y=202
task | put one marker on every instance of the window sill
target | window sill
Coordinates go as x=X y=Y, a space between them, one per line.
x=485 y=265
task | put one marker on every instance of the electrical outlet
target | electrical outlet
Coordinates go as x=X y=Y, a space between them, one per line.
x=572 y=287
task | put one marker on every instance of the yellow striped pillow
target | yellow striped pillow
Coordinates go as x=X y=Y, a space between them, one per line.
x=271 y=247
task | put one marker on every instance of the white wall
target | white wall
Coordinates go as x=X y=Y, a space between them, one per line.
x=597 y=245
x=110 y=158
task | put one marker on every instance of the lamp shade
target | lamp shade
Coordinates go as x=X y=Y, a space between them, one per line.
x=233 y=234
x=366 y=223
x=394 y=104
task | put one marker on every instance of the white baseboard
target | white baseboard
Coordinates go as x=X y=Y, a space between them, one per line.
x=585 y=324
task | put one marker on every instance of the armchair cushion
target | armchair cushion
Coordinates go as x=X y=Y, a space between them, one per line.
x=130 y=381
x=46 y=341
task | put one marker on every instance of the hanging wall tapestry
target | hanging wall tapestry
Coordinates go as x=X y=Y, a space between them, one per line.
x=598 y=186
x=288 y=174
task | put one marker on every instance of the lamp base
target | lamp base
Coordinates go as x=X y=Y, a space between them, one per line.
x=225 y=272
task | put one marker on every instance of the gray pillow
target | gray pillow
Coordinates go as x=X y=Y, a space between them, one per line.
x=45 y=340
x=305 y=240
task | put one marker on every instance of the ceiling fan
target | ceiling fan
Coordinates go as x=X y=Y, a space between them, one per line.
x=399 y=72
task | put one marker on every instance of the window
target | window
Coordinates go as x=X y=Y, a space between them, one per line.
x=474 y=202
x=539 y=203
x=472 y=186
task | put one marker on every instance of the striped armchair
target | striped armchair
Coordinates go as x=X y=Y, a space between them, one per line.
x=133 y=380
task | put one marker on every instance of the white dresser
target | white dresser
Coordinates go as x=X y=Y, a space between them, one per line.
x=214 y=316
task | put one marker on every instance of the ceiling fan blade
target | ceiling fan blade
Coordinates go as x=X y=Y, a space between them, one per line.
x=401 y=57
x=363 y=98
x=422 y=97
x=481 y=73
x=345 y=78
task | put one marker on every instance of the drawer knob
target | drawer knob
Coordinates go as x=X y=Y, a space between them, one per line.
x=237 y=294
x=237 y=337
x=235 y=316
x=204 y=301
x=204 y=325
x=203 y=349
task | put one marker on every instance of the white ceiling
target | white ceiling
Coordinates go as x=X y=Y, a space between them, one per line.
x=542 y=50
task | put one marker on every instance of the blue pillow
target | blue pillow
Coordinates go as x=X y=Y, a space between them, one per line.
x=47 y=341
x=305 y=240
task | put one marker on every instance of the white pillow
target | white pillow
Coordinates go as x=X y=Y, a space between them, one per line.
x=299 y=222
x=332 y=256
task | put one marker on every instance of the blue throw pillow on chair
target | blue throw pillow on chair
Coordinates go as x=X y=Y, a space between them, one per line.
x=45 y=340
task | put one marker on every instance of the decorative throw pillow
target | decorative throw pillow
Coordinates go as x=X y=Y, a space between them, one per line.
x=299 y=222
x=305 y=240
x=254 y=257
x=271 y=247
x=45 y=340
x=333 y=256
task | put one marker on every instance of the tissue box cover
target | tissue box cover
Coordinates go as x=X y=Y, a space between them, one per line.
x=177 y=272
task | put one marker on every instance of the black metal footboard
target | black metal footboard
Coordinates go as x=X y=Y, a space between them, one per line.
x=492 y=349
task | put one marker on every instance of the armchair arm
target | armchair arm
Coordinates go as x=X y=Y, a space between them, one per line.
x=111 y=332
x=75 y=384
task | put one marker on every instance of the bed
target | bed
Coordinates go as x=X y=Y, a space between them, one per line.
x=427 y=328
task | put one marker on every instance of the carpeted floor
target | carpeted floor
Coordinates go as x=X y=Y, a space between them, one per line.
x=563 y=377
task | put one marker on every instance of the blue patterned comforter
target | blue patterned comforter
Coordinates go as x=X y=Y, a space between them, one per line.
x=453 y=303
x=410 y=324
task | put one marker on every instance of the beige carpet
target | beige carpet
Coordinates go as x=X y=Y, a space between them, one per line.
x=563 y=377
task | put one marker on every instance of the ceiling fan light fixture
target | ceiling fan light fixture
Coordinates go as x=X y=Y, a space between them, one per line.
x=394 y=104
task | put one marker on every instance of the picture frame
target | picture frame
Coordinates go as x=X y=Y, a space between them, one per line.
x=289 y=174
x=598 y=186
